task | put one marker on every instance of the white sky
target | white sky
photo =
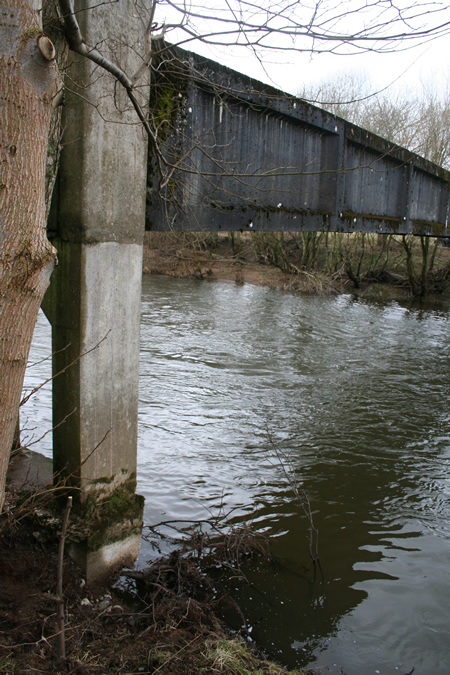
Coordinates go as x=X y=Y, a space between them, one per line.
x=290 y=70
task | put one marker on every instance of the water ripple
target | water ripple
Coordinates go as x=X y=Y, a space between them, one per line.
x=354 y=399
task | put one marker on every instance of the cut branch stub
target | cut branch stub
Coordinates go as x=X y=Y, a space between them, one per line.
x=46 y=47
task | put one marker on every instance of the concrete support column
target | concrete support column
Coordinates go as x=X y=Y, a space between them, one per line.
x=94 y=299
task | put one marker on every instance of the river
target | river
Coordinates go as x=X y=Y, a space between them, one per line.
x=353 y=397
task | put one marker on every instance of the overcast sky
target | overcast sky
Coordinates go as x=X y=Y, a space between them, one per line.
x=290 y=70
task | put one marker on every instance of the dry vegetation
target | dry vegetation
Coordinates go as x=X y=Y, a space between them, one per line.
x=161 y=620
x=311 y=262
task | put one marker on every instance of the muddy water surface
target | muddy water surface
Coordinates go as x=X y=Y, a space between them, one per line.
x=356 y=396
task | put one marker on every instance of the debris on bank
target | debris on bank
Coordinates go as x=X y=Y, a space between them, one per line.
x=165 y=623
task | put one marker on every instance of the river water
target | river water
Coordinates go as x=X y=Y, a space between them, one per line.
x=354 y=398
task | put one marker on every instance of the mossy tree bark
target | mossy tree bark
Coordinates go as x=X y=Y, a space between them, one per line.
x=29 y=83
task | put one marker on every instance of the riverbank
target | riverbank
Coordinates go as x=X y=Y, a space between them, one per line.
x=374 y=273
x=108 y=629
x=199 y=257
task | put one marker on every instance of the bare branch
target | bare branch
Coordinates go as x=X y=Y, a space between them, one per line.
x=59 y=583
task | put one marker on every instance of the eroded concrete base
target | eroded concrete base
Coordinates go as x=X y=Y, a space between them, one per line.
x=102 y=563
x=108 y=524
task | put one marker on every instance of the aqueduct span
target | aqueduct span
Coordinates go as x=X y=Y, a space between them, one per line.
x=239 y=155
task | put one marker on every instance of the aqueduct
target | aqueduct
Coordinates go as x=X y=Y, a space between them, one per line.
x=238 y=155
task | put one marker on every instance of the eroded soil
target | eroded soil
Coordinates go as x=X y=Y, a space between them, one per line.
x=168 y=626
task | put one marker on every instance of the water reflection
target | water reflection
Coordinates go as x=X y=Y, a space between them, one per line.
x=36 y=415
x=356 y=394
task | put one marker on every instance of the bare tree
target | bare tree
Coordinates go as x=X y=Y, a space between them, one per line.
x=329 y=26
x=433 y=127
x=419 y=122
x=30 y=84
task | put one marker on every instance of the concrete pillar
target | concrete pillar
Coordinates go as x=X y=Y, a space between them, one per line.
x=93 y=302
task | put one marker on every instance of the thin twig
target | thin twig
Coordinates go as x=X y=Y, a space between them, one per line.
x=302 y=499
x=59 y=583
x=69 y=365
x=173 y=656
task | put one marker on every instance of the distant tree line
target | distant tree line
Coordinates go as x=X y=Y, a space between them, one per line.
x=417 y=121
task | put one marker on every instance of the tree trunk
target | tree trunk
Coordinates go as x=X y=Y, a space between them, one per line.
x=28 y=85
